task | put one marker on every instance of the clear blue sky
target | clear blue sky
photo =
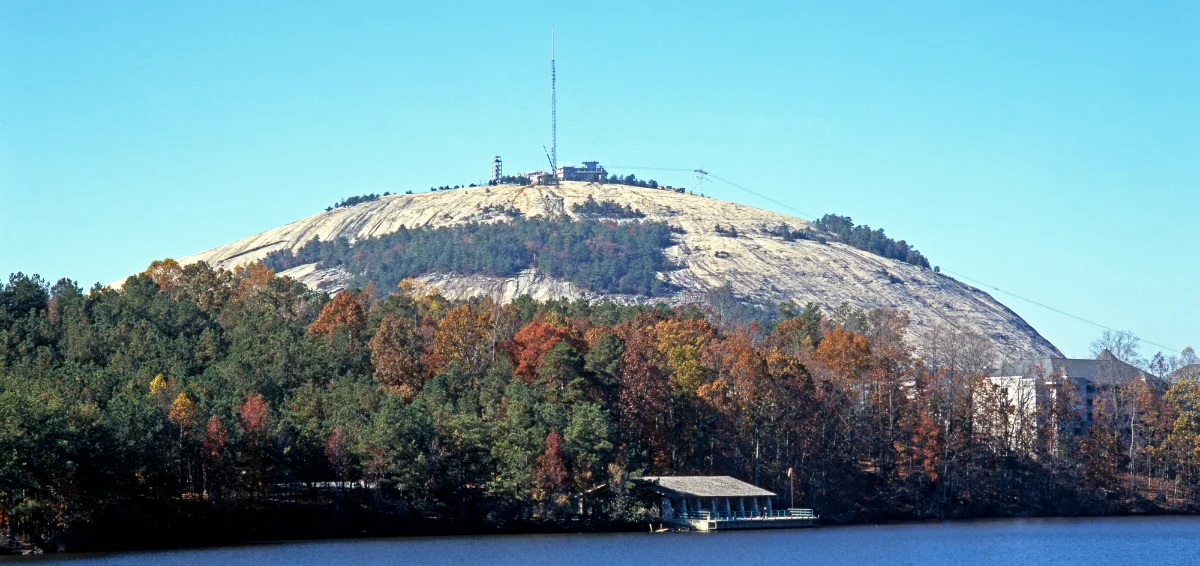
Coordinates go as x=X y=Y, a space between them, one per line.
x=1049 y=148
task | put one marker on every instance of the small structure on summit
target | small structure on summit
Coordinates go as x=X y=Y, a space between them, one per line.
x=591 y=171
x=540 y=178
x=497 y=170
x=709 y=503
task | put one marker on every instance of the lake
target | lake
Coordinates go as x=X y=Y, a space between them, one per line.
x=1123 y=540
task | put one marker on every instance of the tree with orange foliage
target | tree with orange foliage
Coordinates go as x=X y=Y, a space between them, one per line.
x=532 y=342
x=1103 y=456
x=645 y=408
x=463 y=336
x=344 y=313
x=1156 y=418
x=752 y=399
x=920 y=446
x=846 y=355
x=395 y=353
x=252 y=278
x=166 y=273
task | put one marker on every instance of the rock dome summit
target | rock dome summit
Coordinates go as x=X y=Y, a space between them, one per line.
x=713 y=243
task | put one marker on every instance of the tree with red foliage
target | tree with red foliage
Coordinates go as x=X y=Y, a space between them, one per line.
x=749 y=397
x=644 y=399
x=254 y=415
x=337 y=449
x=213 y=446
x=532 y=342
x=550 y=475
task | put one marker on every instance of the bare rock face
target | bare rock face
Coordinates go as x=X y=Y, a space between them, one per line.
x=759 y=267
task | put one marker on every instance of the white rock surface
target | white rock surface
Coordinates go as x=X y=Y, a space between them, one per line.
x=757 y=266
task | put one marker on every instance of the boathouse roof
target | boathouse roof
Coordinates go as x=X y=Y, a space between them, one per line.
x=702 y=486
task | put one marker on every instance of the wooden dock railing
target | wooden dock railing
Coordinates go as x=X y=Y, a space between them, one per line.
x=748 y=515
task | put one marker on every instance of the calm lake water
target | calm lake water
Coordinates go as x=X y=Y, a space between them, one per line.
x=1145 y=540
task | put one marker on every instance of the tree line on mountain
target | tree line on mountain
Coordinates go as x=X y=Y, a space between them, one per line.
x=841 y=228
x=359 y=199
x=866 y=239
x=630 y=179
x=599 y=255
x=195 y=405
x=510 y=180
x=590 y=207
x=789 y=234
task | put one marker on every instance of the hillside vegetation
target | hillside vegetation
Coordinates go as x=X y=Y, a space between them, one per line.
x=605 y=257
x=199 y=406
x=763 y=257
x=864 y=238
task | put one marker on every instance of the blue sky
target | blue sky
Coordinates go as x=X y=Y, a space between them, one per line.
x=1048 y=148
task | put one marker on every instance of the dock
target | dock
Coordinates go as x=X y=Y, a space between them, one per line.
x=781 y=519
x=716 y=503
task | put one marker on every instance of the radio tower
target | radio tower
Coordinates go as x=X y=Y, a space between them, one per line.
x=553 y=116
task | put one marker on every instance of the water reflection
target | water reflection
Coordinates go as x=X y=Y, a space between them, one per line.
x=1141 y=540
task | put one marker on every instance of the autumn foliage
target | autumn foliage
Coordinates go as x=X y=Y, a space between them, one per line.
x=395 y=353
x=248 y=396
x=530 y=345
x=344 y=313
x=254 y=418
x=550 y=472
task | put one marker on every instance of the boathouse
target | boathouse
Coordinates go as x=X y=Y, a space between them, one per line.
x=719 y=502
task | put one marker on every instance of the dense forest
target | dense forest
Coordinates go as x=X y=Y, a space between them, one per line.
x=866 y=239
x=602 y=256
x=196 y=405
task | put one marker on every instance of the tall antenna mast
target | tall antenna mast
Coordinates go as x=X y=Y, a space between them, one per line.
x=553 y=116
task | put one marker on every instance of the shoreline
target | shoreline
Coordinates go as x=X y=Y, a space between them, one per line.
x=548 y=530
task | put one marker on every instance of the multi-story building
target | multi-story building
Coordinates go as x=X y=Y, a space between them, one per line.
x=591 y=171
x=1025 y=383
